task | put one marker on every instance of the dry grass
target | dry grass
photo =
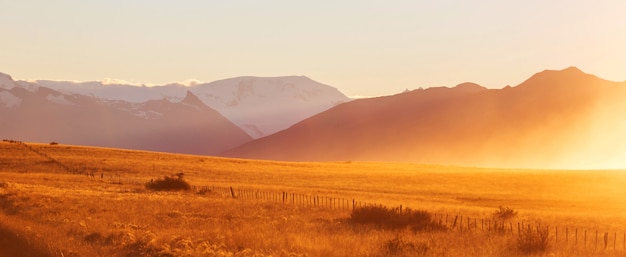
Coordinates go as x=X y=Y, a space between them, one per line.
x=56 y=212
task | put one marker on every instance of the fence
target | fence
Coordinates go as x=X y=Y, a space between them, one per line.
x=560 y=236
x=287 y=197
x=567 y=236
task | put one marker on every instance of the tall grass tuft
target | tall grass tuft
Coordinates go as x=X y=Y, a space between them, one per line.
x=531 y=241
x=401 y=247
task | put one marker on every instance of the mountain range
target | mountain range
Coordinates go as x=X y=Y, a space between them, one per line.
x=555 y=119
x=259 y=105
x=169 y=118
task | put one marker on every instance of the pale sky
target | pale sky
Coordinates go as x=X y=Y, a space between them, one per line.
x=361 y=47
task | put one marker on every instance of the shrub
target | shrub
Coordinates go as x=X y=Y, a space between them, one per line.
x=169 y=183
x=504 y=213
x=531 y=241
x=54 y=143
x=384 y=217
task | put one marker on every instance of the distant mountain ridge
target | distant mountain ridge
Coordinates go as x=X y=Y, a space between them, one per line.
x=259 y=105
x=41 y=114
x=555 y=119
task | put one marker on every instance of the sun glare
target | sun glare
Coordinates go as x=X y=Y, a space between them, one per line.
x=608 y=135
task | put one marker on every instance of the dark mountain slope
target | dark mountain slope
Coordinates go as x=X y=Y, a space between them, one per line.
x=551 y=120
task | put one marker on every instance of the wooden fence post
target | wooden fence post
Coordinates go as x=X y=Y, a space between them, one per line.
x=454 y=224
x=232 y=192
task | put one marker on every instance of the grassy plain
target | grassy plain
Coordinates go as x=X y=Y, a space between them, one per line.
x=59 y=213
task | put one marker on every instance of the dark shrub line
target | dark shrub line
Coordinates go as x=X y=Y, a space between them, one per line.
x=383 y=217
x=168 y=183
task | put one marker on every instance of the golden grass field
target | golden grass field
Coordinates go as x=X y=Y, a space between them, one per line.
x=46 y=210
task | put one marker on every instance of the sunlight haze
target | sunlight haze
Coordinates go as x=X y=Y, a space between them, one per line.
x=363 y=48
x=448 y=128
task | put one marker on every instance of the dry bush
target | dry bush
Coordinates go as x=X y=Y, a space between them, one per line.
x=504 y=213
x=531 y=241
x=168 y=183
x=381 y=216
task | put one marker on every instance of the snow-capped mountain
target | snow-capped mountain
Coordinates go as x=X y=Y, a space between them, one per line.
x=6 y=82
x=7 y=99
x=259 y=105
x=41 y=114
x=263 y=106
x=115 y=90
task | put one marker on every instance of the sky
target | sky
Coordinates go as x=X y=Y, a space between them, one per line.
x=361 y=47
